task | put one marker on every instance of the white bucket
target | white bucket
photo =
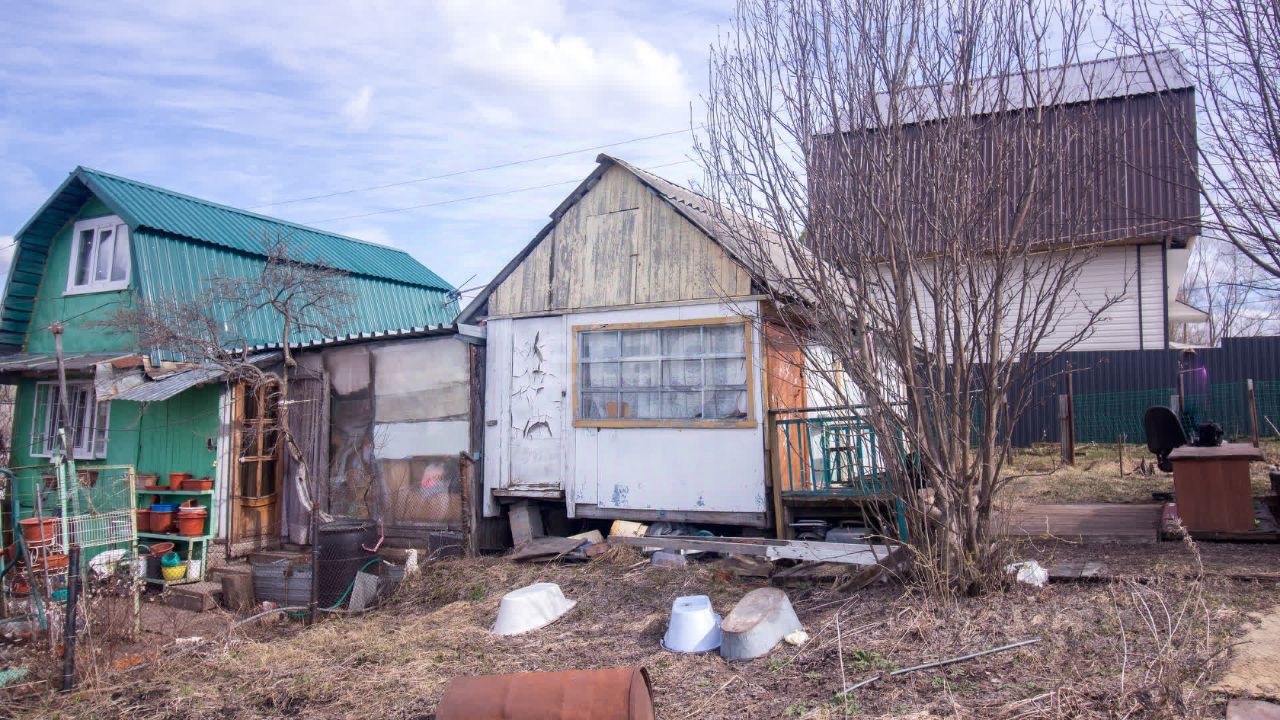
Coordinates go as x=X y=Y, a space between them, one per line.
x=694 y=626
x=530 y=608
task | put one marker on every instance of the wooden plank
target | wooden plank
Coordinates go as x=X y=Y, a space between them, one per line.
x=1225 y=451
x=529 y=492
x=847 y=553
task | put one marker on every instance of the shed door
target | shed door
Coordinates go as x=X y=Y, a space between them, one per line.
x=539 y=401
x=256 y=474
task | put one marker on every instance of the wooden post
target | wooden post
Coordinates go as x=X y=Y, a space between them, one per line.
x=771 y=446
x=1121 y=444
x=1067 y=423
x=1252 y=400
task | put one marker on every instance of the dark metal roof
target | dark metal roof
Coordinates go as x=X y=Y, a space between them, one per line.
x=182 y=380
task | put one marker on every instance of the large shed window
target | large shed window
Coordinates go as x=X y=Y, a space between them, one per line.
x=99 y=256
x=664 y=374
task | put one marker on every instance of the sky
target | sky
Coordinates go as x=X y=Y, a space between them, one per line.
x=254 y=104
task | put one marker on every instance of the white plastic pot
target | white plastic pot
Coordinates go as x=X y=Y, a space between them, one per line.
x=530 y=608
x=694 y=626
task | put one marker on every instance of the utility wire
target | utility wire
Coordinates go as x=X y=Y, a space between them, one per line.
x=472 y=197
x=456 y=173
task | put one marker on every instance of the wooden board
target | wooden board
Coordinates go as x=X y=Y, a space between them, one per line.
x=1086 y=522
x=619 y=245
x=1243 y=451
x=847 y=553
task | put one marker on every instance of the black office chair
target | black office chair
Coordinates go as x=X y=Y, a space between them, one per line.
x=1164 y=434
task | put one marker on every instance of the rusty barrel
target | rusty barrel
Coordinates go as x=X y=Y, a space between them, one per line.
x=610 y=694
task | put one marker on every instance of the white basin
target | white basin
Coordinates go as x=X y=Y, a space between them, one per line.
x=530 y=608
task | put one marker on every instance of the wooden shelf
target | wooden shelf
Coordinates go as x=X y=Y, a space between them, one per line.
x=172 y=536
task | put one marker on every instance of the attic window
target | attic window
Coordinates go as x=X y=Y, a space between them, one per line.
x=99 y=256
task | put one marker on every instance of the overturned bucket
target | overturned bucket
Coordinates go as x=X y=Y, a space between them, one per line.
x=758 y=623
x=610 y=694
x=694 y=626
x=530 y=608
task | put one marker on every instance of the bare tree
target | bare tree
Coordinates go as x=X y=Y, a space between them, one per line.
x=1222 y=282
x=221 y=322
x=1233 y=49
x=920 y=204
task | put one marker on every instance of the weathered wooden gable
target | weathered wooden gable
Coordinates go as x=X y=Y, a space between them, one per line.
x=620 y=244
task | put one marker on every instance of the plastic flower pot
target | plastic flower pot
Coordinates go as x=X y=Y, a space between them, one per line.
x=198 y=484
x=191 y=523
x=694 y=626
x=176 y=479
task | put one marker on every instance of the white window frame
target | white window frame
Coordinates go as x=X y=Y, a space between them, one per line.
x=579 y=363
x=89 y=441
x=120 y=234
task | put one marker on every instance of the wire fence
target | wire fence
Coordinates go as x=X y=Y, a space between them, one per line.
x=1117 y=416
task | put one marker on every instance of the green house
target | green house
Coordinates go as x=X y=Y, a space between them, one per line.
x=102 y=243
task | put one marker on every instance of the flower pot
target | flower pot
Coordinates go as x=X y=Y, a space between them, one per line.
x=191 y=523
x=146 y=481
x=173 y=572
x=39 y=531
x=198 y=484
x=161 y=520
x=160 y=549
x=54 y=563
x=144 y=520
x=177 y=478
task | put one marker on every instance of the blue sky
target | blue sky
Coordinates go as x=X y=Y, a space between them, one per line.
x=254 y=103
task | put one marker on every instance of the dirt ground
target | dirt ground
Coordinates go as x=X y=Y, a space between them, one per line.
x=1096 y=476
x=1107 y=649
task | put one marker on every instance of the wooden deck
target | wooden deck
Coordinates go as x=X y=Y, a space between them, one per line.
x=1087 y=522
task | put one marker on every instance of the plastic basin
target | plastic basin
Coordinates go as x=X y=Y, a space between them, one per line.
x=530 y=608
x=694 y=626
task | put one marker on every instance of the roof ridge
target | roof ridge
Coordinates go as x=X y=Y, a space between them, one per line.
x=238 y=211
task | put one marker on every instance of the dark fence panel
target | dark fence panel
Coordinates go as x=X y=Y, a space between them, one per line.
x=1128 y=371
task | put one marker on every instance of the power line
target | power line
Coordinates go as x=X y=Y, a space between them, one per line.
x=472 y=197
x=456 y=173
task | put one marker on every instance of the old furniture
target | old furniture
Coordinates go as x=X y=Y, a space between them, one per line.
x=1212 y=487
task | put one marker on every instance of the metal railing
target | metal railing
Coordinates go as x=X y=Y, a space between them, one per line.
x=831 y=450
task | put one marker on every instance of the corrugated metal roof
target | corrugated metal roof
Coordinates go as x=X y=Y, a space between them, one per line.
x=148 y=206
x=168 y=267
x=1092 y=81
x=178 y=382
x=47 y=362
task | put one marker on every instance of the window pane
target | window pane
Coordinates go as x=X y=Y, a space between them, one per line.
x=106 y=251
x=723 y=339
x=641 y=343
x=682 y=405
x=682 y=373
x=596 y=406
x=727 y=371
x=641 y=405
x=84 y=258
x=600 y=345
x=600 y=375
x=682 y=342
x=100 y=425
x=641 y=373
x=726 y=404
x=120 y=265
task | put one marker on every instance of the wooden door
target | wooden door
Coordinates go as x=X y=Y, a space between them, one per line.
x=256 y=474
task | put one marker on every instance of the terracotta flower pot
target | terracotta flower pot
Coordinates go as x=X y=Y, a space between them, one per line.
x=53 y=563
x=198 y=484
x=191 y=524
x=39 y=531
x=161 y=521
x=177 y=478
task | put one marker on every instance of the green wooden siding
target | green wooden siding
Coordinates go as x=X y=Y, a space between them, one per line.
x=162 y=437
x=50 y=304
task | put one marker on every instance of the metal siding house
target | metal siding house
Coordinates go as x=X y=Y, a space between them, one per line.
x=630 y=363
x=159 y=415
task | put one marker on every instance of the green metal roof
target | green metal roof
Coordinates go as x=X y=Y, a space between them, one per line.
x=143 y=205
x=177 y=240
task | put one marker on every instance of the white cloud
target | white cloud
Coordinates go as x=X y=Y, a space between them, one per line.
x=249 y=103
x=356 y=110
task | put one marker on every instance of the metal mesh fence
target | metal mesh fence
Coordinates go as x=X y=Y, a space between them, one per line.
x=1108 y=417
x=1113 y=416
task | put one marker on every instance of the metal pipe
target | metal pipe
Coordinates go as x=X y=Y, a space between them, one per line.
x=962 y=658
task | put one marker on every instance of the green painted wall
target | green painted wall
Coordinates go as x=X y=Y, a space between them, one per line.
x=80 y=310
x=162 y=437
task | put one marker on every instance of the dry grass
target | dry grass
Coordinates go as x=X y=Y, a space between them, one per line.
x=1096 y=476
x=395 y=662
